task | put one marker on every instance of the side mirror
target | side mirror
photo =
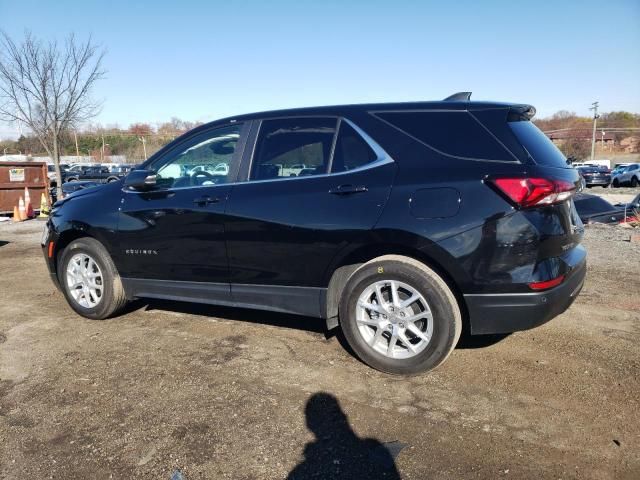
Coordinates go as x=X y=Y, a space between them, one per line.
x=140 y=179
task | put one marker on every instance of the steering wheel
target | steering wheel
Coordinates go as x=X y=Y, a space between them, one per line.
x=207 y=178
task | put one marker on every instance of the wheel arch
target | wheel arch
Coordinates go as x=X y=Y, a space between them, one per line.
x=65 y=238
x=348 y=264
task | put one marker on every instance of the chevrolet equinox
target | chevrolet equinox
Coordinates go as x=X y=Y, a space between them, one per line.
x=400 y=223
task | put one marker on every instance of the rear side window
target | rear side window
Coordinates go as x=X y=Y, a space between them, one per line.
x=293 y=147
x=540 y=148
x=453 y=133
x=351 y=150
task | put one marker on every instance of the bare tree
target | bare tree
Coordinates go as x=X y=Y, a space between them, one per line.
x=47 y=87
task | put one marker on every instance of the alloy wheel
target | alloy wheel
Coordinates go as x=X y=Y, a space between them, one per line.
x=84 y=280
x=394 y=319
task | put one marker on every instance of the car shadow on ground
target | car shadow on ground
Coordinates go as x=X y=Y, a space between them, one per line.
x=3 y=243
x=468 y=341
x=286 y=320
x=337 y=451
x=276 y=319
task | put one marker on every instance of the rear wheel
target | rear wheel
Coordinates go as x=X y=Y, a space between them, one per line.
x=89 y=279
x=399 y=316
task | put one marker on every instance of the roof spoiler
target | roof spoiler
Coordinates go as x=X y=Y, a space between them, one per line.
x=459 y=97
x=518 y=113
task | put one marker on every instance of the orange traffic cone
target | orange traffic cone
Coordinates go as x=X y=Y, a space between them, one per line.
x=27 y=203
x=21 y=210
x=16 y=214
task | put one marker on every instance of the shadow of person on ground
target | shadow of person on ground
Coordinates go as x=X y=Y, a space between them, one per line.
x=337 y=452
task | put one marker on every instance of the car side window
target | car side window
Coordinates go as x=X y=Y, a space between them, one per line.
x=351 y=150
x=459 y=134
x=293 y=147
x=205 y=160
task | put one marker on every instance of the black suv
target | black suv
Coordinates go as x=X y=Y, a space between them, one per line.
x=400 y=223
x=95 y=173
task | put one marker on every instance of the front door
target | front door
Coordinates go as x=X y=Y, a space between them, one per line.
x=175 y=232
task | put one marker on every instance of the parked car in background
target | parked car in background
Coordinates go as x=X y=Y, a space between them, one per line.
x=71 y=187
x=76 y=167
x=619 y=168
x=630 y=176
x=96 y=173
x=395 y=230
x=595 y=209
x=595 y=176
x=51 y=172
x=122 y=170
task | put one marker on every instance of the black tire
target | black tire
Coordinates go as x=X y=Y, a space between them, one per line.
x=113 y=296
x=112 y=179
x=447 y=319
x=634 y=181
x=70 y=179
x=615 y=183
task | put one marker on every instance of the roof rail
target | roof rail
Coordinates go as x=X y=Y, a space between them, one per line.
x=459 y=97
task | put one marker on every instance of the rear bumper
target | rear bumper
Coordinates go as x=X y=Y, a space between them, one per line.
x=511 y=312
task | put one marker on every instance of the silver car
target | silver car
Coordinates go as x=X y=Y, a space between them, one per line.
x=629 y=175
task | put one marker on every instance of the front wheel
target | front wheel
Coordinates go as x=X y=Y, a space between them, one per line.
x=615 y=183
x=634 y=182
x=399 y=316
x=89 y=279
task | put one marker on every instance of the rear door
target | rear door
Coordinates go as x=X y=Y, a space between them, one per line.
x=314 y=185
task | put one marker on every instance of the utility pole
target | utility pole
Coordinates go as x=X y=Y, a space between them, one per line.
x=594 y=107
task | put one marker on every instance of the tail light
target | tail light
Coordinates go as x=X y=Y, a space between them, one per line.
x=533 y=192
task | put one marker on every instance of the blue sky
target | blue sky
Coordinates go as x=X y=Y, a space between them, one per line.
x=201 y=60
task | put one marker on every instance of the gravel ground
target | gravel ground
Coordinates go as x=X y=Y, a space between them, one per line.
x=614 y=195
x=179 y=391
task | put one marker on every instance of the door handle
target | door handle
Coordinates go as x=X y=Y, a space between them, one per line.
x=348 y=189
x=206 y=200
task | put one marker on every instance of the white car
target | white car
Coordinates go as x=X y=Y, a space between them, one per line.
x=629 y=175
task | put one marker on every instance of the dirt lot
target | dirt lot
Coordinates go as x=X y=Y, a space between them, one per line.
x=183 y=392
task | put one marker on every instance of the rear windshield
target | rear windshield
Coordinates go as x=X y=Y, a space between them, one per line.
x=541 y=149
